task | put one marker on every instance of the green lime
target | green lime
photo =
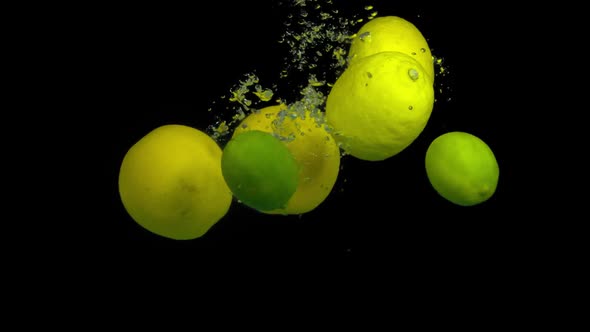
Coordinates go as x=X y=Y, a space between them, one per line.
x=462 y=168
x=259 y=170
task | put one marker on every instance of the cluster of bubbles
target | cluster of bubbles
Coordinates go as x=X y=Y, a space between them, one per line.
x=317 y=38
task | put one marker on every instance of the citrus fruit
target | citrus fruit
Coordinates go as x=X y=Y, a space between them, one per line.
x=392 y=34
x=462 y=168
x=379 y=105
x=170 y=182
x=312 y=146
x=259 y=170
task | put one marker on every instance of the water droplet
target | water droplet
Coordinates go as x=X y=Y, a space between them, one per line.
x=413 y=73
x=410 y=107
x=369 y=75
x=364 y=35
x=423 y=50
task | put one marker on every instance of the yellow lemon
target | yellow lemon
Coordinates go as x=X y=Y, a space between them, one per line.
x=392 y=34
x=313 y=148
x=379 y=105
x=171 y=184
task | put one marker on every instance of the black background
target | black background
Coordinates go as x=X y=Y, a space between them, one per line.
x=154 y=66
x=94 y=78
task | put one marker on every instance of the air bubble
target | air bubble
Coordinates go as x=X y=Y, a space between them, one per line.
x=364 y=35
x=413 y=73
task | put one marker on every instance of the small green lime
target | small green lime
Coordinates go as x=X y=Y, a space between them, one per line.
x=462 y=168
x=259 y=170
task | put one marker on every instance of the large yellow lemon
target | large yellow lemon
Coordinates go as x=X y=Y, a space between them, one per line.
x=170 y=182
x=392 y=33
x=313 y=148
x=379 y=105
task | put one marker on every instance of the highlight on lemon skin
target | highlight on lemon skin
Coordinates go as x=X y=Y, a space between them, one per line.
x=314 y=149
x=462 y=168
x=170 y=182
